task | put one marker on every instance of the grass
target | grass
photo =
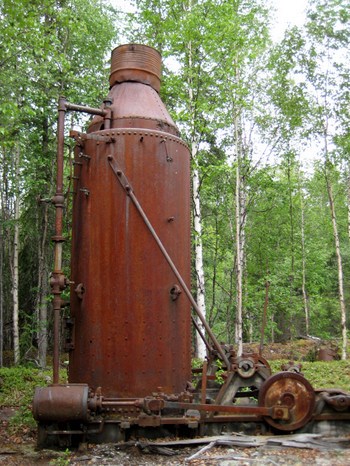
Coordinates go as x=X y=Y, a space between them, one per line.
x=322 y=374
x=17 y=386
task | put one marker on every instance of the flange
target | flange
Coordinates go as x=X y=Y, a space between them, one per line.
x=291 y=390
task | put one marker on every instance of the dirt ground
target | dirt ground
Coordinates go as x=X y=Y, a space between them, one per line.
x=18 y=454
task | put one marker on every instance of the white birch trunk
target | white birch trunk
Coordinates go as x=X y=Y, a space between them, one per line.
x=199 y=267
x=336 y=244
x=340 y=269
x=197 y=217
x=239 y=218
x=303 y=285
x=239 y=293
x=15 y=274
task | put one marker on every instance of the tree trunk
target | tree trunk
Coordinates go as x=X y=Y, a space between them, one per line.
x=43 y=286
x=42 y=293
x=336 y=239
x=211 y=316
x=197 y=217
x=6 y=249
x=239 y=271
x=348 y=199
x=1 y=290
x=15 y=274
x=292 y=325
x=340 y=266
x=199 y=267
x=303 y=285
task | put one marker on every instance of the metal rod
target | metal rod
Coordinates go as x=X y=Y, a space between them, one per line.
x=125 y=184
x=85 y=109
x=256 y=410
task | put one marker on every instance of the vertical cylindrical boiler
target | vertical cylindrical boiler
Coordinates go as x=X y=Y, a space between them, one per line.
x=131 y=332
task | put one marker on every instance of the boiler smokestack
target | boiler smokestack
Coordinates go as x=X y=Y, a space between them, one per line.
x=137 y=63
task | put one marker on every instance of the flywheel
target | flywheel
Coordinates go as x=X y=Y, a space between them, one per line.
x=291 y=390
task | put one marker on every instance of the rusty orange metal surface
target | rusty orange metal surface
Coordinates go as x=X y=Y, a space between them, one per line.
x=132 y=62
x=130 y=335
x=61 y=403
x=293 y=391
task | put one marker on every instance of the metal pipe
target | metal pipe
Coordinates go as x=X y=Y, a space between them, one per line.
x=125 y=184
x=57 y=280
x=85 y=109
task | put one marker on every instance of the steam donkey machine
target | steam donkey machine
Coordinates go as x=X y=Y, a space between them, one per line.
x=129 y=330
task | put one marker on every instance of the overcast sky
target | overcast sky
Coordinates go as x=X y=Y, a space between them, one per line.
x=288 y=13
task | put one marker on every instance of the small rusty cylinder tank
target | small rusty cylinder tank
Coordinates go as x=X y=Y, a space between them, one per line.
x=61 y=403
x=131 y=334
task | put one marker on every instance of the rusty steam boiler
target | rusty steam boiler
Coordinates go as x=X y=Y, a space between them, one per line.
x=129 y=329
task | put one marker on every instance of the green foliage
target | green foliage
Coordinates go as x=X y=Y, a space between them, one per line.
x=62 y=460
x=220 y=372
x=17 y=386
x=322 y=374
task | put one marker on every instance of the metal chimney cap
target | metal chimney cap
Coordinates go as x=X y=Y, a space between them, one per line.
x=136 y=62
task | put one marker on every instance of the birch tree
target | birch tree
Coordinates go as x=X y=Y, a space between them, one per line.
x=14 y=264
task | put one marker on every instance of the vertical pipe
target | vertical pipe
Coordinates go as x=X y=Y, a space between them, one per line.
x=58 y=279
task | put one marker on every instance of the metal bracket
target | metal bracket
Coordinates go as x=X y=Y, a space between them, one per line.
x=120 y=175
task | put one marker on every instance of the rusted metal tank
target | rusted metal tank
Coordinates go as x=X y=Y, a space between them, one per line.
x=130 y=328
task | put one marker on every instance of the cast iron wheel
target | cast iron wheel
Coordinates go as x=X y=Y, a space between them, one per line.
x=291 y=390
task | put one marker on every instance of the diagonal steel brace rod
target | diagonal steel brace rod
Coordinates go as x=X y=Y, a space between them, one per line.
x=129 y=191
